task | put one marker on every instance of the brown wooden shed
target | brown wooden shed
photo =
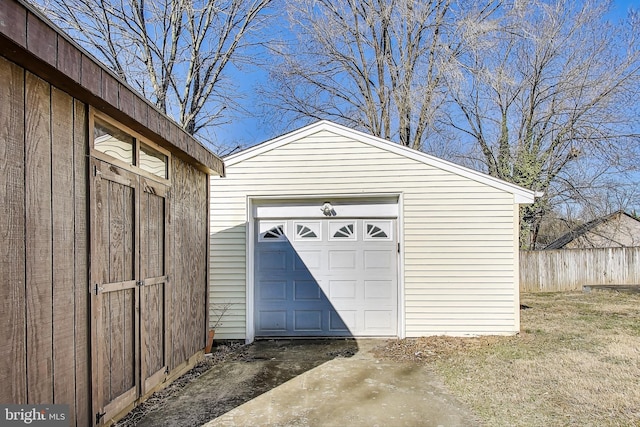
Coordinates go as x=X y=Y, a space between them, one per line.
x=104 y=225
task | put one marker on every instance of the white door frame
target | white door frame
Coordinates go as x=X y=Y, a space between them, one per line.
x=346 y=206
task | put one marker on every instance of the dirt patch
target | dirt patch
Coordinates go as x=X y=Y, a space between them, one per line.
x=221 y=353
x=429 y=349
x=234 y=375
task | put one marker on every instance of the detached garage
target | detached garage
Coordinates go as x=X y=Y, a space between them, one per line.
x=327 y=231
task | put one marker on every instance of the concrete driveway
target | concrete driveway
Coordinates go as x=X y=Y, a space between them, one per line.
x=315 y=383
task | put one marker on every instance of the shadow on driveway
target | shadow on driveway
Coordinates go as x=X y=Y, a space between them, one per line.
x=262 y=366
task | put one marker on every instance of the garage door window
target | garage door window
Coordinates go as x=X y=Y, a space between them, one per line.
x=307 y=230
x=340 y=230
x=272 y=232
x=377 y=230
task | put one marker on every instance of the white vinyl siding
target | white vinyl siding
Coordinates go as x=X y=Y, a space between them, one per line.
x=458 y=238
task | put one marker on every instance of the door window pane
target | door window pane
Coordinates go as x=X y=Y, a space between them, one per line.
x=113 y=142
x=153 y=161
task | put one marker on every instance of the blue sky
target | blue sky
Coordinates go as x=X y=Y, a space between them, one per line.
x=250 y=130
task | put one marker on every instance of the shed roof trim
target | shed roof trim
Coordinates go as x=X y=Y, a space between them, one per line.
x=521 y=195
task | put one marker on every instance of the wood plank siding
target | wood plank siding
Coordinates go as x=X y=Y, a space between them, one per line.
x=154 y=248
x=13 y=364
x=458 y=236
x=189 y=204
x=44 y=265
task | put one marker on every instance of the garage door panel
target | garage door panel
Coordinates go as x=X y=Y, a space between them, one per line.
x=307 y=260
x=342 y=322
x=342 y=289
x=378 y=260
x=306 y=290
x=382 y=290
x=272 y=260
x=273 y=321
x=307 y=320
x=342 y=260
x=273 y=290
x=378 y=319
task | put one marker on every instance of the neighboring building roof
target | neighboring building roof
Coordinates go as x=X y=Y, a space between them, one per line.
x=30 y=40
x=521 y=195
x=618 y=229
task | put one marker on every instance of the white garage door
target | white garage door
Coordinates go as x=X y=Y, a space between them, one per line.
x=326 y=277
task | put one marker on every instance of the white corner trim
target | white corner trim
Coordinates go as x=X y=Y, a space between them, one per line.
x=516 y=267
x=250 y=332
x=402 y=315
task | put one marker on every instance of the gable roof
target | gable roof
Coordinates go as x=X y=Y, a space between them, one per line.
x=568 y=237
x=521 y=195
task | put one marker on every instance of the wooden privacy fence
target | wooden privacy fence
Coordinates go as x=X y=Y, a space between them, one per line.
x=571 y=269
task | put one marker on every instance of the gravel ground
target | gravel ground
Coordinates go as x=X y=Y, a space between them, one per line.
x=222 y=353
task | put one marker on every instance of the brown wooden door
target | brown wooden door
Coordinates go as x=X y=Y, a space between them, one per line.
x=154 y=206
x=115 y=297
x=128 y=287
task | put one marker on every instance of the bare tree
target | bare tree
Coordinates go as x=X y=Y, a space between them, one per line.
x=376 y=65
x=549 y=100
x=175 y=52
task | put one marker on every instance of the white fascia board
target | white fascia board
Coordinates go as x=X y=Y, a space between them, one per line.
x=527 y=199
x=521 y=195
